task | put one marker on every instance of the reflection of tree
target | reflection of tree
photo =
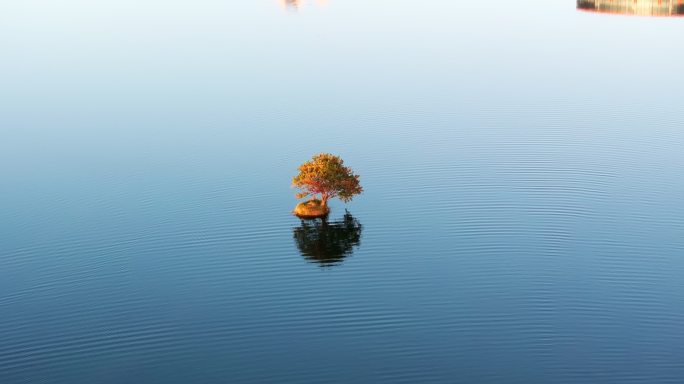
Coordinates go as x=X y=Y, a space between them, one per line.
x=326 y=242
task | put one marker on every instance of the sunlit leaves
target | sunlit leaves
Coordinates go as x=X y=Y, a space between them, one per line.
x=326 y=175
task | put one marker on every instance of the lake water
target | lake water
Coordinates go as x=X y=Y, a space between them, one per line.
x=522 y=220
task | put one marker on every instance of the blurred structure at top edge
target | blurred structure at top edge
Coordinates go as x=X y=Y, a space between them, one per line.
x=634 y=7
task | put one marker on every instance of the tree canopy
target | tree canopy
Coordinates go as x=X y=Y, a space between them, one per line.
x=327 y=176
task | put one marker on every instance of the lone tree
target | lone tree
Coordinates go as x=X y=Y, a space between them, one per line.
x=326 y=175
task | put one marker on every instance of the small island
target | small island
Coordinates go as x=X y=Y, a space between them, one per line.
x=322 y=178
x=311 y=209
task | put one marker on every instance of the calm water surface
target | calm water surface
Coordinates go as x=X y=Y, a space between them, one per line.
x=522 y=222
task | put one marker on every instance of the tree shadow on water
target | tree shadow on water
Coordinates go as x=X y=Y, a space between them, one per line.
x=328 y=243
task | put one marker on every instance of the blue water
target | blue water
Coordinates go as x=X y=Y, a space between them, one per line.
x=522 y=220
